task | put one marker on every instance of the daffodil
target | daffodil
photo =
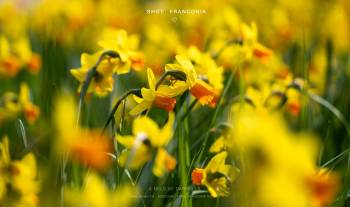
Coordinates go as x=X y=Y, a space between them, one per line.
x=9 y=106
x=102 y=82
x=207 y=69
x=250 y=42
x=198 y=87
x=83 y=145
x=277 y=160
x=9 y=63
x=125 y=46
x=31 y=111
x=21 y=48
x=17 y=54
x=148 y=137
x=323 y=186
x=216 y=185
x=18 y=176
x=281 y=94
x=95 y=193
x=222 y=143
x=162 y=97
x=12 y=105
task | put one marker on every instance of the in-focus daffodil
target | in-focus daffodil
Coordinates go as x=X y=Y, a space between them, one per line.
x=216 y=175
x=222 y=143
x=162 y=97
x=148 y=140
x=198 y=87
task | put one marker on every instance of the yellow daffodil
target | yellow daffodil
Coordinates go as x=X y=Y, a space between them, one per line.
x=208 y=70
x=102 y=82
x=9 y=63
x=222 y=143
x=318 y=70
x=23 y=51
x=18 y=176
x=250 y=42
x=31 y=111
x=277 y=161
x=95 y=193
x=147 y=136
x=162 y=97
x=17 y=54
x=282 y=93
x=217 y=186
x=198 y=88
x=11 y=105
x=85 y=146
x=125 y=46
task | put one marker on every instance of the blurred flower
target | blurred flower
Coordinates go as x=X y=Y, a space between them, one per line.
x=17 y=54
x=85 y=146
x=250 y=42
x=125 y=46
x=147 y=136
x=102 y=82
x=277 y=161
x=10 y=65
x=216 y=185
x=31 y=111
x=323 y=186
x=11 y=105
x=18 y=176
x=207 y=69
x=198 y=88
x=161 y=97
x=95 y=193
x=281 y=94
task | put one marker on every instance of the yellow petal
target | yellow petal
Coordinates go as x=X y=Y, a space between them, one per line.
x=166 y=133
x=163 y=163
x=151 y=79
x=216 y=163
x=139 y=108
x=218 y=145
x=126 y=141
x=172 y=91
x=135 y=158
x=137 y=99
x=146 y=126
x=5 y=153
x=148 y=94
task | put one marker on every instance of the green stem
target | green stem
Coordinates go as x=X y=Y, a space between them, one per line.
x=179 y=75
x=212 y=122
x=90 y=75
x=183 y=167
x=136 y=91
x=228 y=43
